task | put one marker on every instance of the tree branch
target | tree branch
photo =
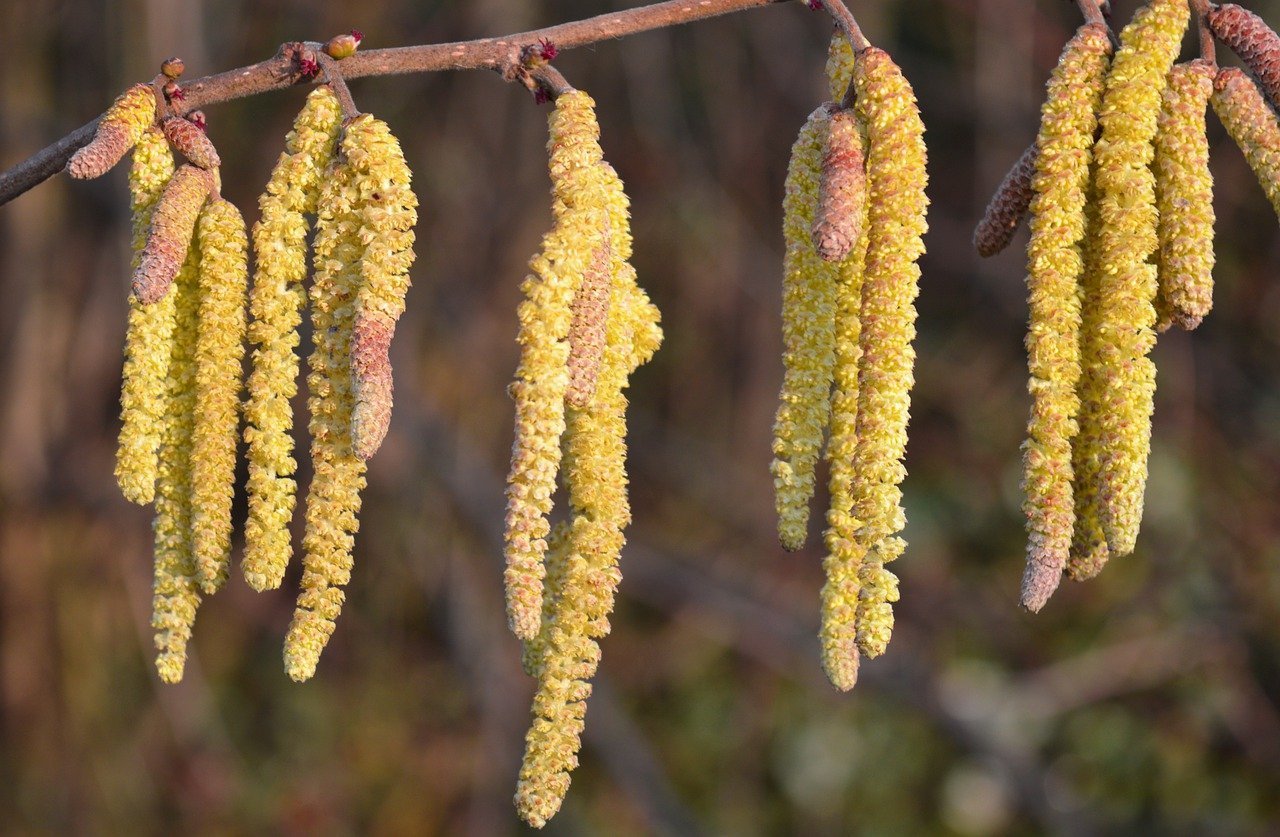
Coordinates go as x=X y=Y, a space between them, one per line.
x=280 y=71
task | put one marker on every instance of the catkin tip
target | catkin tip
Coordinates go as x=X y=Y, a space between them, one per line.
x=1039 y=581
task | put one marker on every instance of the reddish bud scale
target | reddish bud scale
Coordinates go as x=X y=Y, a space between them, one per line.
x=371 y=377
x=842 y=189
x=170 y=232
x=587 y=328
x=1008 y=206
x=192 y=142
x=1256 y=43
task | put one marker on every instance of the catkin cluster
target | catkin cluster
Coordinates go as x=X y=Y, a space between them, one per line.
x=181 y=390
x=1121 y=216
x=181 y=395
x=585 y=326
x=853 y=221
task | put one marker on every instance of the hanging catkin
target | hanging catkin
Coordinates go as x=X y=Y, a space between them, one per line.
x=1253 y=126
x=583 y=556
x=1089 y=551
x=359 y=239
x=275 y=306
x=896 y=179
x=147 y=341
x=219 y=351
x=542 y=376
x=173 y=223
x=1184 y=197
x=1054 y=267
x=839 y=594
x=808 y=332
x=1118 y=374
x=387 y=218
x=176 y=589
x=1254 y=41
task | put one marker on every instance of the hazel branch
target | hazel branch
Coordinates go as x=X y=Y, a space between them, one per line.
x=847 y=23
x=333 y=75
x=280 y=71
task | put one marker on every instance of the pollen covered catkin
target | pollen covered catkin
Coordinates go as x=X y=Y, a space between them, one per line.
x=143 y=398
x=1008 y=206
x=1054 y=265
x=1252 y=125
x=582 y=557
x=275 y=306
x=542 y=377
x=1120 y=376
x=388 y=212
x=1254 y=41
x=120 y=128
x=173 y=224
x=839 y=594
x=1184 y=196
x=896 y=179
x=808 y=335
x=176 y=588
x=346 y=237
x=1089 y=550
x=219 y=351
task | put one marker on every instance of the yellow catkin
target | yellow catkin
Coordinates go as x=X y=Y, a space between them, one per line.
x=176 y=589
x=583 y=555
x=1184 y=196
x=150 y=330
x=343 y=242
x=839 y=67
x=120 y=128
x=173 y=223
x=1252 y=125
x=275 y=305
x=1089 y=551
x=808 y=333
x=896 y=179
x=1119 y=375
x=387 y=218
x=840 y=593
x=542 y=376
x=1054 y=267
x=220 y=234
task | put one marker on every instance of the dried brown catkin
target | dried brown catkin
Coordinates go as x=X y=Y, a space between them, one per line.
x=1008 y=206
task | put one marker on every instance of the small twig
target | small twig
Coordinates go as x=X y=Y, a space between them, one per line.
x=1092 y=11
x=1208 y=46
x=547 y=78
x=333 y=77
x=847 y=23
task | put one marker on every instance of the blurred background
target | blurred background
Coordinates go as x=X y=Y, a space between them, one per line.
x=1147 y=700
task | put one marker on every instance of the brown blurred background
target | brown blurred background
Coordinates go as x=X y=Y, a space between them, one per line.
x=1145 y=701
